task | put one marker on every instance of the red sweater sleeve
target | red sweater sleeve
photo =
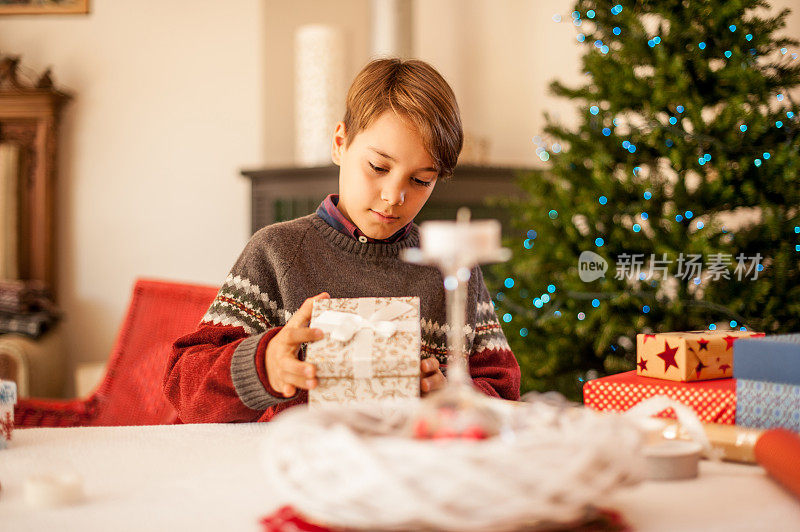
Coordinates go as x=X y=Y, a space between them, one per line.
x=496 y=373
x=198 y=380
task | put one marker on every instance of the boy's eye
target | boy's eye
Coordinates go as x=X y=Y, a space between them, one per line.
x=377 y=168
x=421 y=182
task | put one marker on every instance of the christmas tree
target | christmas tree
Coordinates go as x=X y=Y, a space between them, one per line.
x=673 y=205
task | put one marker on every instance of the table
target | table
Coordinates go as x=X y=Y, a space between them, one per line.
x=208 y=477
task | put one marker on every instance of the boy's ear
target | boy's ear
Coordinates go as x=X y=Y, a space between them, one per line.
x=338 y=143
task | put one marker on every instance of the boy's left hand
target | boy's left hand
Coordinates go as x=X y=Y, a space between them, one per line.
x=430 y=376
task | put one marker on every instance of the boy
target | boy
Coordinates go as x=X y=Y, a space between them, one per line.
x=401 y=133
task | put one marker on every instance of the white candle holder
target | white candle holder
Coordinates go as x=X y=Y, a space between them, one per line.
x=455 y=248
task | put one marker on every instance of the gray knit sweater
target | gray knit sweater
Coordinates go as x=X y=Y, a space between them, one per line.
x=285 y=263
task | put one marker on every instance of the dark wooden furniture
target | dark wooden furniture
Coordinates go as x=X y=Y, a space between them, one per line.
x=284 y=193
x=29 y=117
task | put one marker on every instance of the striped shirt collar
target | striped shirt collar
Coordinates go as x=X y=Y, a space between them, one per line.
x=329 y=212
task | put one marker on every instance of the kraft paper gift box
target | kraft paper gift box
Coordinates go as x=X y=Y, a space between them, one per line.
x=688 y=356
x=8 y=398
x=371 y=349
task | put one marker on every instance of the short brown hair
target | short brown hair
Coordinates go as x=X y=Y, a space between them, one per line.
x=416 y=91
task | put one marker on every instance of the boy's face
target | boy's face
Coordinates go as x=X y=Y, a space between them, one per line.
x=385 y=175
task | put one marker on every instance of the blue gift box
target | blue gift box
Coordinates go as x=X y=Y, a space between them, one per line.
x=767 y=405
x=8 y=398
x=769 y=358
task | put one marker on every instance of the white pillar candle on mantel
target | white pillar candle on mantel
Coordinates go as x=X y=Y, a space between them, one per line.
x=392 y=24
x=319 y=91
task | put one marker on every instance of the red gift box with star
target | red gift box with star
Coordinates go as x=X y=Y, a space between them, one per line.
x=687 y=356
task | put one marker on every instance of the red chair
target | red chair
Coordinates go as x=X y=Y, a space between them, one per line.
x=131 y=392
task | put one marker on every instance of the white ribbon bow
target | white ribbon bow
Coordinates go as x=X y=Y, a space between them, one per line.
x=343 y=326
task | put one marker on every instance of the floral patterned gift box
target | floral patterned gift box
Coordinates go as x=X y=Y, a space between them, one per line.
x=8 y=398
x=371 y=349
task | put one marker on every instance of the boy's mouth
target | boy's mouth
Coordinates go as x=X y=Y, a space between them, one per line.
x=384 y=217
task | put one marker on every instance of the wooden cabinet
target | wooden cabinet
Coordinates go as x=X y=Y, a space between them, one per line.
x=29 y=117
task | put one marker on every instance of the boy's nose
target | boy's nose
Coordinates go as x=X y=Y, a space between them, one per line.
x=393 y=195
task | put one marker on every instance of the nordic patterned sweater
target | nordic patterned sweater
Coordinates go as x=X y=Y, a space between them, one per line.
x=217 y=373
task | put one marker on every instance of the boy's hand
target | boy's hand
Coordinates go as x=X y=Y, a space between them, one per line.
x=430 y=376
x=285 y=372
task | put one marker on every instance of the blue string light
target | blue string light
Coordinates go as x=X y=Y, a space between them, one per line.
x=616 y=10
x=749 y=36
x=557 y=313
x=538 y=303
x=581 y=37
x=590 y=13
x=733 y=324
x=645 y=309
x=595 y=303
x=701 y=45
x=509 y=282
x=507 y=317
x=732 y=27
x=599 y=242
x=766 y=155
x=743 y=128
x=757 y=162
x=673 y=120
x=779 y=124
x=678 y=218
x=669 y=143
x=553 y=214
x=728 y=54
x=532 y=234
x=644 y=216
x=616 y=30
x=500 y=296
x=594 y=109
x=742 y=328
x=523 y=332
x=701 y=161
x=789 y=114
x=637 y=228
x=545 y=298
x=688 y=215
x=647 y=195
x=552 y=288
x=679 y=108
x=779 y=97
x=712 y=327
x=603 y=200
x=528 y=244
x=797 y=228
x=606 y=131
x=581 y=316
x=707 y=156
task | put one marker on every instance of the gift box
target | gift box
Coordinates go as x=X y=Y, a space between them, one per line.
x=774 y=358
x=688 y=356
x=767 y=405
x=713 y=401
x=371 y=349
x=8 y=398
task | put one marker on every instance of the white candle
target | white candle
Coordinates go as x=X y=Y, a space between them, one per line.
x=319 y=91
x=445 y=240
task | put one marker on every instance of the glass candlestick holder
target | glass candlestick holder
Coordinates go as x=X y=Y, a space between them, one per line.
x=457 y=410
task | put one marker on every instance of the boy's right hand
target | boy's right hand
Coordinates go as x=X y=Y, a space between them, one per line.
x=285 y=371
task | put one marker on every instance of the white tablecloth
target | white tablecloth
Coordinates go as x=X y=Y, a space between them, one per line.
x=207 y=477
